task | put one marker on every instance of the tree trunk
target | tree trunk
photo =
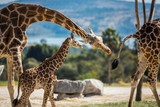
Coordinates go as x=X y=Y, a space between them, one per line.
x=109 y=70
x=139 y=90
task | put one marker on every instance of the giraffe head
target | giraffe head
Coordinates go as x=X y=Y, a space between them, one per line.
x=96 y=42
x=74 y=42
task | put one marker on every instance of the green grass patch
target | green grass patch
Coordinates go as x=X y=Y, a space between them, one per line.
x=123 y=104
x=5 y=83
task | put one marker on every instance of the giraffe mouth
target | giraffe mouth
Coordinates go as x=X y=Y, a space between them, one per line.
x=80 y=47
x=105 y=48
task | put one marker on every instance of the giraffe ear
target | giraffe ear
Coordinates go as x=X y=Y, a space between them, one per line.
x=72 y=36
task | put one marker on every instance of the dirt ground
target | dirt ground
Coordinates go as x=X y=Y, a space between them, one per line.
x=111 y=94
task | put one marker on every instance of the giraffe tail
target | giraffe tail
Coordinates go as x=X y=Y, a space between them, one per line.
x=15 y=101
x=116 y=61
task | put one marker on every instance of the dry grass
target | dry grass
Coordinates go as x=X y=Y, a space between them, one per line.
x=36 y=98
x=2 y=99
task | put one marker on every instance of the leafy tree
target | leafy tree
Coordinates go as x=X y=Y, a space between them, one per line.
x=89 y=75
x=43 y=41
x=30 y=63
x=67 y=71
x=112 y=40
x=41 y=51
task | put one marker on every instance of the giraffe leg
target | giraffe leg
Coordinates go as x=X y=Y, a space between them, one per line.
x=51 y=97
x=141 y=67
x=17 y=63
x=11 y=83
x=24 y=99
x=152 y=80
x=46 y=95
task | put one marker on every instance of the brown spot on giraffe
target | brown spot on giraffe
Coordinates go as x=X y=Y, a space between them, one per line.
x=21 y=20
x=32 y=20
x=14 y=21
x=3 y=27
x=22 y=10
x=60 y=17
x=58 y=21
x=14 y=14
x=2 y=46
x=5 y=12
x=48 y=17
x=149 y=29
x=11 y=7
x=31 y=13
x=40 y=18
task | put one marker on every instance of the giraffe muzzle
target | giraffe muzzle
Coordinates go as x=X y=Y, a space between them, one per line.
x=106 y=49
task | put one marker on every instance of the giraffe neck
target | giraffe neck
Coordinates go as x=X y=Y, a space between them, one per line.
x=27 y=14
x=57 y=60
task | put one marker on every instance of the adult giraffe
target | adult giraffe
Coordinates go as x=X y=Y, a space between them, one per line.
x=148 y=38
x=15 y=19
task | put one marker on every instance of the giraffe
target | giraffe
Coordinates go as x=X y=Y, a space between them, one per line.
x=43 y=76
x=148 y=51
x=148 y=38
x=15 y=19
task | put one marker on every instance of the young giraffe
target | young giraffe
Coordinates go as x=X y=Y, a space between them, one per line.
x=43 y=75
x=15 y=19
x=148 y=38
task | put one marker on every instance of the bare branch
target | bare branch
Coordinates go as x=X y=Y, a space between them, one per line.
x=144 y=11
x=137 y=15
x=152 y=10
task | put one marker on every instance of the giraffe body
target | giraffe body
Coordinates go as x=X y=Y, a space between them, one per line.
x=43 y=76
x=148 y=38
x=15 y=19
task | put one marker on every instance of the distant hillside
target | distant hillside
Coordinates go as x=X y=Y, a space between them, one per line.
x=95 y=14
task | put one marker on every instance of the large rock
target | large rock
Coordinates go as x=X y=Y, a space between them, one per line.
x=93 y=87
x=69 y=89
x=1 y=69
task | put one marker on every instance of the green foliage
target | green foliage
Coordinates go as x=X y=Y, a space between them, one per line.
x=123 y=104
x=43 y=41
x=67 y=71
x=30 y=63
x=111 y=38
x=41 y=51
x=88 y=75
